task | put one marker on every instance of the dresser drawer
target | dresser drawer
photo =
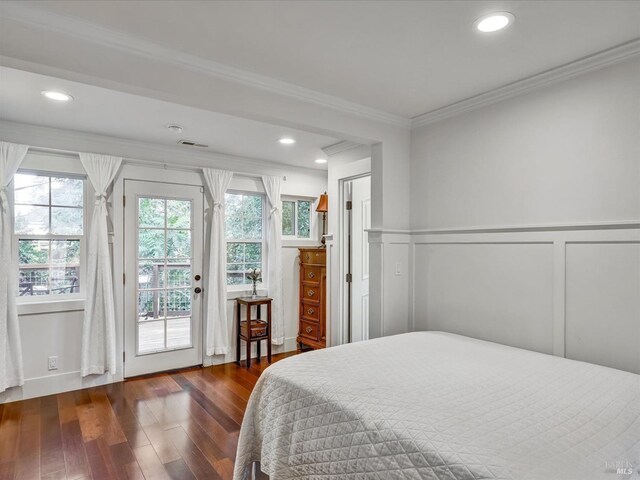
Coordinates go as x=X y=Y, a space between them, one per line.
x=314 y=257
x=309 y=292
x=309 y=330
x=310 y=312
x=311 y=274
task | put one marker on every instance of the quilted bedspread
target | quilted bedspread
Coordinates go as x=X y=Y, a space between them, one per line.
x=431 y=405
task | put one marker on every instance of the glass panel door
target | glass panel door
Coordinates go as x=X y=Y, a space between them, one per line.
x=163 y=256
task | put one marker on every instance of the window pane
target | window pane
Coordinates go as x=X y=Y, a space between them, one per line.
x=288 y=209
x=178 y=214
x=150 y=274
x=150 y=243
x=253 y=252
x=253 y=228
x=33 y=252
x=177 y=302
x=48 y=267
x=178 y=276
x=179 y=332
x=235 y=252
x=31 y=220
x=252 y=206
x=151 y=212
x=65 y=252
x=179 y=243
x=148 y=305
x=31 y=189
x=233 y=216
x=235 y=279
x=66 y=221
x=304 y=218
x=150 y=336
x=67 y=191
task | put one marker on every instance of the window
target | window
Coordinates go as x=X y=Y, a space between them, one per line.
x=244 y=221
x=296 y=218
x=48 y=233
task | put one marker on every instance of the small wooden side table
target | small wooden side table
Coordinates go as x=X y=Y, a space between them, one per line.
x=253 y=329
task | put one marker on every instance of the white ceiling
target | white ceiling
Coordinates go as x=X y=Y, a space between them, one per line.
x=405 y=58
x=108 y=112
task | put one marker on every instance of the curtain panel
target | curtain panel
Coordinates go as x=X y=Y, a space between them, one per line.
x=273 y=187
x=99 y=325
x=217 y=340
x=11 y=368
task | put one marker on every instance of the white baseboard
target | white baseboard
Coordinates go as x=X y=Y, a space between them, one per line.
x=52 y=384
x=69 y=381
x=289 y=345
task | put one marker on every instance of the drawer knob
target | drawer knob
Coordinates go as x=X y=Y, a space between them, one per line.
x=308 y=329
x=311 y=293
x=308 y=256
x=311 y=311
x=311 y=274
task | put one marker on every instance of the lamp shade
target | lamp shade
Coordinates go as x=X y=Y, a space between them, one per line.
x=323 y=203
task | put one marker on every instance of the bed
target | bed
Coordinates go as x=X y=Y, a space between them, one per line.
x=432 y=405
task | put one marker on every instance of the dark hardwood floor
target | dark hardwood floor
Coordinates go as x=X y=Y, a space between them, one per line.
x=179 y=425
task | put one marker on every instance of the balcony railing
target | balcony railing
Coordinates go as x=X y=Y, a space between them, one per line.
x=38 y=280
x=178 y=305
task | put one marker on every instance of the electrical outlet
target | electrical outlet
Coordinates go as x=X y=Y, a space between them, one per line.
x=53 y=363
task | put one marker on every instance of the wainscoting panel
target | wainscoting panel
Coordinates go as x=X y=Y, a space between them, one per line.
x=501 y=292
x=571 y=291
x=603 y=304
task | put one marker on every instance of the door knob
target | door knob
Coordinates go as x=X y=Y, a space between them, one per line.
x=197 y=277
x=197 y=290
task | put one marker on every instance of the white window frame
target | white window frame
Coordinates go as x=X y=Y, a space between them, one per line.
x=49 y=298
x=295 y=239
x=243 y=287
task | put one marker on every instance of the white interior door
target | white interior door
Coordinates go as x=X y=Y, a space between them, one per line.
x=163 y=276
x=360 y=222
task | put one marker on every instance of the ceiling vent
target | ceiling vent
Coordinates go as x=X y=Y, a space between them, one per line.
x=189 y=143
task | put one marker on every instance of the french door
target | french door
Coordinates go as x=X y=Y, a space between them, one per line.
x=163 y=276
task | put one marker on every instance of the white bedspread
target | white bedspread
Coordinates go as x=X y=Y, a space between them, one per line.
x=431 y=405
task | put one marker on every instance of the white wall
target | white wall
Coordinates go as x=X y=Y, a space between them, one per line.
x=569 y=153
x=56 y=329
x=525 y=217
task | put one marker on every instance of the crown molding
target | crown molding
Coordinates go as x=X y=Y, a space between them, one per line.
x=549 y=77
x=89 y=32
x=73 y=141
x=340 y=147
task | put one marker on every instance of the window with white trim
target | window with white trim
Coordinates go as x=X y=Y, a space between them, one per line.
x=49 y=217
x=244 y=226
x=296 y=218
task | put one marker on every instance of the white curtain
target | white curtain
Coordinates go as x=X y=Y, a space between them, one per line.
x=99 y=326
x=216 y=320
x=11 y=373
x=273 y=186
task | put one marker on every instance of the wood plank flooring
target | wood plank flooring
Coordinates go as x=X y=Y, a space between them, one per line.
x=179 y=425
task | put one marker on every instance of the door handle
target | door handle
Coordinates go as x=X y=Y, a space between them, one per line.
x=197 y=290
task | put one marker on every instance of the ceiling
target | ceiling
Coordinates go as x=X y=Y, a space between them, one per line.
x=405 y=58
x=108 y=112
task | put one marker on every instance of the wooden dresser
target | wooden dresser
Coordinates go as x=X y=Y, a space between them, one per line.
x=312 y=317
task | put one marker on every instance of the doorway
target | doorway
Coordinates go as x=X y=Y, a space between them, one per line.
x=357 y=220
x=162 y=276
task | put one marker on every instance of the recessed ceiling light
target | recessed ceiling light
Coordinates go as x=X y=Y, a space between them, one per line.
x=175 y=128
x=494 y=22
x=57 y=96
x=321 y=160
x=287 y=141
